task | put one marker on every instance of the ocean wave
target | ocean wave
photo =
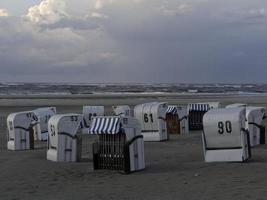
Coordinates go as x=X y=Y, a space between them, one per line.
x=94 y=88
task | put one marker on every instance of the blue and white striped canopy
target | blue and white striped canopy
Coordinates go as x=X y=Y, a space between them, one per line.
x=105 y=125
x=172 y=109
x=199 y=107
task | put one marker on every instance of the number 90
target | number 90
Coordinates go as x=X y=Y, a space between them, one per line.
x=224 y=126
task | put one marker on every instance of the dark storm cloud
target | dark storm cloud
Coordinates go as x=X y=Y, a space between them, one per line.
x=197 y=47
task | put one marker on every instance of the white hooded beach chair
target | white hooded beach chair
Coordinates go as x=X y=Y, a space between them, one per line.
x=176 y=119
x=183 y=118
x=123 y=111
x=120 y=145
x=225 y=138
x=152 y=118
x=43 y=115
x=20 y=130
x=89 y=112
x=196 y=112
x=62 y=137
x=254 y=118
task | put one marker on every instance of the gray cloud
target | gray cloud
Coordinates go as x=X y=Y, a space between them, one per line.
x=139 y=41
x=27 y=49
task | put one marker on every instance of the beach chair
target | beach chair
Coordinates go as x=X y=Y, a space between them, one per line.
x=123 y=111
x=63 y=142
x=88 y=113
x=20 y=130
x=120 y=145
x=225 y=138
x=176 y=120
x=183 y=119
x=152 y=118
x=43 y=116
x=196 y=112
x=254 y=118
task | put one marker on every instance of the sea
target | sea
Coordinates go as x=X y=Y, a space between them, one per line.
x=98 y=88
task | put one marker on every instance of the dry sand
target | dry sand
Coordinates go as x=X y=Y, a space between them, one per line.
x=174 y=169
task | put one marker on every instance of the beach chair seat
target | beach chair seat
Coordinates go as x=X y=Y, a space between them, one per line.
x=123 y=111
x=20 y=130
x=254 y=118
x=43 y=115
x=225 y=138
x=177 y=120
x=152 y=118
x=120 y=145
x=88 y=113
x=196 y=112
x=62 y=138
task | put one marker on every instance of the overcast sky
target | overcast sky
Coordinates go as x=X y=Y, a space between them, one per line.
x=177 y=41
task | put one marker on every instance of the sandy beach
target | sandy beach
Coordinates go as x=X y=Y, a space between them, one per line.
x=175 y=169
